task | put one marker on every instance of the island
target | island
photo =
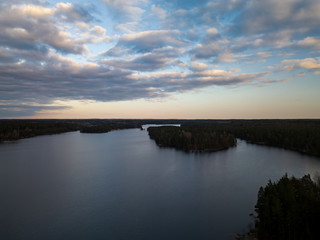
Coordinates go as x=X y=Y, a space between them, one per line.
x=192 y=139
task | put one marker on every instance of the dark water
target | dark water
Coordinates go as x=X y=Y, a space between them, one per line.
x=120 y=185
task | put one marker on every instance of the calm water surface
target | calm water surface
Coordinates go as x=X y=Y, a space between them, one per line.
x=120 y=185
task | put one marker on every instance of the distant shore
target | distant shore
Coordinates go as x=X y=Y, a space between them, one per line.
x=194 y=135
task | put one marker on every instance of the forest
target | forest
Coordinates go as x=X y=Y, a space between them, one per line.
x=17 y=129
x=110 y=126
x=298 y=135
x=287 y=209
x=192 y=138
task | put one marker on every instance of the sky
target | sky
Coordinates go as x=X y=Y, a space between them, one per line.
x=185 y=59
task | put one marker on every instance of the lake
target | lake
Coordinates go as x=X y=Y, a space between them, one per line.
x=120 y=185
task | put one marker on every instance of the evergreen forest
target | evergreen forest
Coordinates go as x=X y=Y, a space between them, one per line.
x=287 y=210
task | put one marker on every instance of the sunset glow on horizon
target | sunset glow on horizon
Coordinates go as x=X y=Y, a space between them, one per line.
x=221 y=59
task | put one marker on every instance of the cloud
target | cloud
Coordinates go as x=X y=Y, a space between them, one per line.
x=209 y=50
x=45 y=48
x=199 y=15
x=312 y=64
x=18 y=55
x=212 y=31
x=147 y=41
x=126 y=9
x=33 y=27
x=29 y=27
x=169 y=82
x=63 y=78
x=151 y=61
x=185 y=4
x=157 y=11
x=229 y=57
x=272 y=15
x=310 y=42
x=75 y=12
x=128 y=27
x=198 y=66
x=25 y=110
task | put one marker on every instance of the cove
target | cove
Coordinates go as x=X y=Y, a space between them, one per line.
x=120 y=185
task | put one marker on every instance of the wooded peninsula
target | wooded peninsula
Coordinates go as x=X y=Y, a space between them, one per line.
x=192 y=139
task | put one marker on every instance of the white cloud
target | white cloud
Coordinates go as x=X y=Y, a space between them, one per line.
x=212 y=31
x=198 y=66
x=158 y=12
x=226 y=57
x=128 y=27
x=209 y=49
x=99 y=31
x=312 y=42
x=65 y=27
x=127 y=9
x=311 y=64
x=148 y=40
x=273 y=15
x=35 y=11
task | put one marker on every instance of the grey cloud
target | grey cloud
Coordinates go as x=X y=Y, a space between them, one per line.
x=61 y=78
x=199 y=16
x=180 y=82
x=209 y=49
x=18 y=55
x=31 y=69
x=76 y=12
x=270 y=16
x=248 y=25
x=225 y=7
x=35 y=27
x=181 y=3
x=12 y=111
x=124 y=10
x=157 y=59
x=8 y=2
x=147 y=62
x=149 y=40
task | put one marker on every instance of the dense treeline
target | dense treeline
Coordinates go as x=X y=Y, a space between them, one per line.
x=191 y=139
x=297 y=135
x=110 y=126
x=17 y=129
x=288 y=209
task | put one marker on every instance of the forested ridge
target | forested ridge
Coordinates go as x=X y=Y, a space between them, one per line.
x=287 y=210
x=191 y=138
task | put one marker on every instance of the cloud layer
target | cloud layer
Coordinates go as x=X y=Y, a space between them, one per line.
x=145 y=49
